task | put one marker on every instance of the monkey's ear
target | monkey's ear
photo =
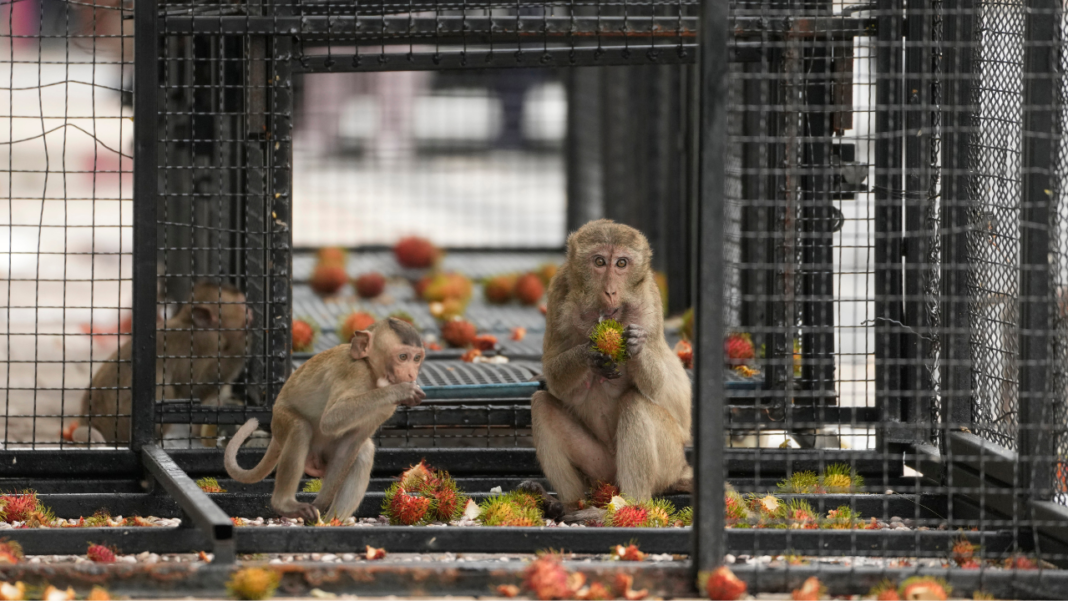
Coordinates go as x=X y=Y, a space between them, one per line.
x=361 y=344
x=204 y=317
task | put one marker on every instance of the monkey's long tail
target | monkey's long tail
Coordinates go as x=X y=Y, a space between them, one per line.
x=265 y=466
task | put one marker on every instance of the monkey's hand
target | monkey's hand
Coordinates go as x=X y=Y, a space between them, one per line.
x=411 y=394
x=602 y=365
x=634 y=336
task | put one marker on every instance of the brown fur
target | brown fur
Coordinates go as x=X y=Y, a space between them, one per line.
x=199 y=351
x=629 y=423
x=325 y=414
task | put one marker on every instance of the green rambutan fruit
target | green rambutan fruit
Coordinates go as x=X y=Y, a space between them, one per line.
x=607 y=338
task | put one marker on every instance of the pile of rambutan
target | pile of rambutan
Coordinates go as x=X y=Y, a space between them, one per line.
x=654 y=513
x=607 y=338
x=422 y=496
x=836 y=478
x=518 y=509
x=25 y=507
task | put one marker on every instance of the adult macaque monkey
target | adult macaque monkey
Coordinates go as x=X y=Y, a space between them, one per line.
x=598 y=420
x=199 y=351
x=325 y=414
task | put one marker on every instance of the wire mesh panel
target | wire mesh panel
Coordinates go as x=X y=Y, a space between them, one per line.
x=223 y=232
x=895 y=273
x=66 y=241
x=457 y=124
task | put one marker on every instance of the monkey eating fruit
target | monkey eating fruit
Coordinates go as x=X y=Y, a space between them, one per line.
x=325 y=414
x=601 y=419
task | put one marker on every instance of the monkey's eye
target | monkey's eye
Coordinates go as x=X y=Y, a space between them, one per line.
x=404 y=357
x=418 y=358
x=621 y=263
x=600 y=262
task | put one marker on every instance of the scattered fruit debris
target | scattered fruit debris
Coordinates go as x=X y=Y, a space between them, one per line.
x=253 y=584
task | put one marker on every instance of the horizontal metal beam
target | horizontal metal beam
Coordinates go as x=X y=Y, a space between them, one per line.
x=515 y=414
x=479 y=579
x=498 y=58
x=869 y=543
x=204 y=513
x=471 y=29
x=56 y=462
x=983 y=456
x=852 y=580
x=741 y=463
x=391 y=29
x=368 y=579
x=240 y=502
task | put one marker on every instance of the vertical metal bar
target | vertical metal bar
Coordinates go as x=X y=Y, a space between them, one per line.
x=957 y=58
x=620 y=145
x=257 y=215
x=916 y=384
x=146 y=89
x=888 y=217
x=708 y=406
x=585 y=192
x=817 y=243
x=1039 y=152
x=674 y=200
x=753 y=316
x=280 y=141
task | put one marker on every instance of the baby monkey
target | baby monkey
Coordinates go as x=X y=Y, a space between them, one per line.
x=325 y=414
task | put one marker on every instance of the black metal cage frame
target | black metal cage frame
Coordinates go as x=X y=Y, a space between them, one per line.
x=936 y=428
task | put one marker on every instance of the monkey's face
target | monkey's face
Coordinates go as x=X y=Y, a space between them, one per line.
x=402 y=363
x=614 y=270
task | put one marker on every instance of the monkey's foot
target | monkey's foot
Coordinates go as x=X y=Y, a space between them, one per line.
x=584 y=516
x=683 y=486
x=550 y=507
x=305 y=511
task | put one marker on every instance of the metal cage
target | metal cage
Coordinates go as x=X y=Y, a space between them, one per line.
x=860 y=203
